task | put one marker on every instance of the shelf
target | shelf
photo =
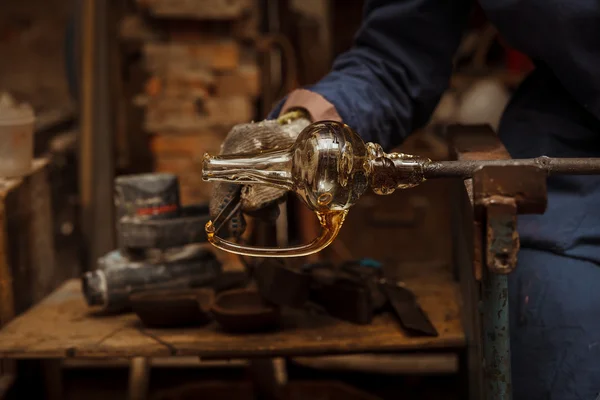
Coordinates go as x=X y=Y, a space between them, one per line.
x=62 y=325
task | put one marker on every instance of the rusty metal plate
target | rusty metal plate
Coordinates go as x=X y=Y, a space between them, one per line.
x=527 y=185
x=501 y=237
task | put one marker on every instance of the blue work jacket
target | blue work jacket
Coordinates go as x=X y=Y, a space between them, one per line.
x=388 y=84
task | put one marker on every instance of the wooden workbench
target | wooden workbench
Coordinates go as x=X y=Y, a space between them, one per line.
x=62 y=325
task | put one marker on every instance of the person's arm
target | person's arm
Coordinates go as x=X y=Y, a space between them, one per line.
x=389 y=83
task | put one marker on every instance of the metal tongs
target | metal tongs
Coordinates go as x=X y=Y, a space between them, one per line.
x=232 y=206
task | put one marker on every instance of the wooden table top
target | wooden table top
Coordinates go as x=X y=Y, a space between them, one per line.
x=62 y=325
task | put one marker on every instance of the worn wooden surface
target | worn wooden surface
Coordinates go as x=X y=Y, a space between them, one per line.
x=63 y=326
x=27 y=264
x=28 y=271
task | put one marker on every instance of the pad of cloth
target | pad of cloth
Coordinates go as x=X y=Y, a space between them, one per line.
x=257 y=199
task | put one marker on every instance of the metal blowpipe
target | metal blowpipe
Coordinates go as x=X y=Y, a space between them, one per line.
x=556 y=166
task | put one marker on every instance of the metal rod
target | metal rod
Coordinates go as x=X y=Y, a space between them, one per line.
x=496 y=337
x=465 y=169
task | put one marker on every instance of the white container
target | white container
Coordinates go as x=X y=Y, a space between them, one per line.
x=483 y=103
x=16 y=137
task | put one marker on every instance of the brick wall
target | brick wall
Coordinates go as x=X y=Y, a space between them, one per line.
x=203 y=78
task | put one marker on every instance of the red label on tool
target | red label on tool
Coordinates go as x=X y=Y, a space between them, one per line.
x=157 y=210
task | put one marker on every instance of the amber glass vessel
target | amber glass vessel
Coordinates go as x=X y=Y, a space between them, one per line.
x=329 y=167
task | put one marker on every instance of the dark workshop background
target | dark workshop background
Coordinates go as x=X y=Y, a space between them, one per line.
x=138 y=103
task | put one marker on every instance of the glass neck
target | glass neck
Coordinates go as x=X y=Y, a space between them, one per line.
x=272 y=168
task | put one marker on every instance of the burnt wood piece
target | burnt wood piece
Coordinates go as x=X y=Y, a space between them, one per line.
x=172 y=308
x=165 y=233
x=282 y=284
x=109 y=288
x=341 y=296
x=147 y=196
x=245 y=310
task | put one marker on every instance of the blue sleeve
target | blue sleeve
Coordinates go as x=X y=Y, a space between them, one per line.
x=390 y=81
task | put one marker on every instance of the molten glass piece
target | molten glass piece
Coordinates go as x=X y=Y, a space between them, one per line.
x=329 y=167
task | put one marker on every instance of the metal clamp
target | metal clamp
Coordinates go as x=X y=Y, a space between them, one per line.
x=497 y=193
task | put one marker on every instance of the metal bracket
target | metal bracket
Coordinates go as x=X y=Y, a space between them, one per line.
x=497 y=195
x=501 y=237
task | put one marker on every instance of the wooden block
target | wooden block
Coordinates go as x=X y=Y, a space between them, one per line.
x=223 y=54
x=197 y=9
x=187 y=144
x=166 y=114
x=28 y=271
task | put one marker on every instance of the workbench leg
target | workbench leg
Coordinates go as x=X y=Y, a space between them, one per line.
x=53 y=382
x=496 y=337
x=139 y=378
x=269 y=376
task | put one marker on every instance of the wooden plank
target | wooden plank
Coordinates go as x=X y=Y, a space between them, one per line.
x=57 y=326
x=197 y=9
x=101 y=231
x=63 y=326
x=27 y=258
x=397 y=364
x=96 y=156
